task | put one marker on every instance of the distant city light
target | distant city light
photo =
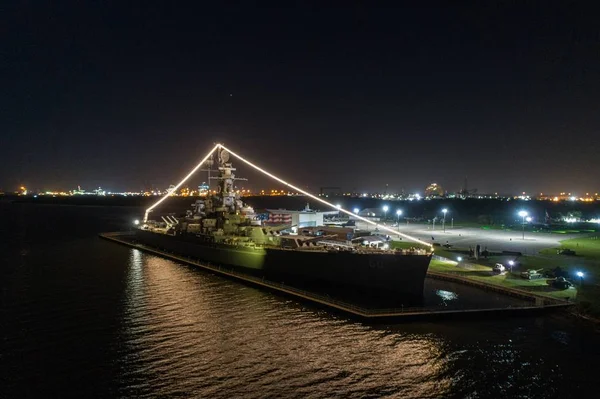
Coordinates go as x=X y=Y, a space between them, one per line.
x=181 y=182
x=203 y=190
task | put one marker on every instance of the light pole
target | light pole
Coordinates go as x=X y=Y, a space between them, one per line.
x=385 y=209
x=580 y=275
x=523 y=214
x=511 y=263
x=398 y=213
x=356 y=210
x=444 y=211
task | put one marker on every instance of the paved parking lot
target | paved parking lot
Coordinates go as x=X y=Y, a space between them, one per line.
x=494 y=240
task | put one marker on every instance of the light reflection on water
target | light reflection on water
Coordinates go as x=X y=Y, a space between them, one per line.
x=226 y=339
x=82 y=317
x=203 y=331
x=446 y=296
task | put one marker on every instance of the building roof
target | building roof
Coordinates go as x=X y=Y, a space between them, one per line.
x=303 y=212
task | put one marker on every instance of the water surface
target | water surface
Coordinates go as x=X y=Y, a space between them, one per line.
x=85 y=317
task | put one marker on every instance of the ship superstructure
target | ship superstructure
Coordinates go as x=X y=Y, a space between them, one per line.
x=222 y=229
x=221 y=218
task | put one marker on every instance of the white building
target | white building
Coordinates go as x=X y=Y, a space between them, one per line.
x=304 y=218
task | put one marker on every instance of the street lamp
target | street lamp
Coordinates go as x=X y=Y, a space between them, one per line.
x=580 y=275
x=356 y=210
x=523 y=214
x=398 y=213
x=444 y=211
x=385 y=209
x=511 y=263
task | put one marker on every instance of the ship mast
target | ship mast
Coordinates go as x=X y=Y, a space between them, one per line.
x=209 y=164
x=226 y=192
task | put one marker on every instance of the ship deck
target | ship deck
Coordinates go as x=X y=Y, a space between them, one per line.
x=329 y=246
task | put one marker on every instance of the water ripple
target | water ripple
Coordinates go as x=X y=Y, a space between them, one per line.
x=88 y=318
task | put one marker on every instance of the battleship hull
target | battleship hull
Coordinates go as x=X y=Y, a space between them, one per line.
x=377 y=275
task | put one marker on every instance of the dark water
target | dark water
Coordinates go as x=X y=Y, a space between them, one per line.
x=82 y=317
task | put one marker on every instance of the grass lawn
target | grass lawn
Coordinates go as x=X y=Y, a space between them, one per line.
x=539 y=286
x=588 y=247
x=484 y=274
x=587 y=260
x=451 y=267
x=405 y=244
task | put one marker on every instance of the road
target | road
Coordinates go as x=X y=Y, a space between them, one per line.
x=493 y=240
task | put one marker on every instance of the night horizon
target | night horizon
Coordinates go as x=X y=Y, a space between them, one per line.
x=435 y=232
x=359 y=97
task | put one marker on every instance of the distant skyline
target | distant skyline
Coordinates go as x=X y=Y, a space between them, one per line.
x=126 y=97
x=200 y=178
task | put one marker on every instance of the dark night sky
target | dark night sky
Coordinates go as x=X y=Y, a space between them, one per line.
x=104 y=93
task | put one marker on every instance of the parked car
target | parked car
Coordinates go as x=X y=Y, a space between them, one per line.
x=499 y=268
x=566 y=251
x=532 y=274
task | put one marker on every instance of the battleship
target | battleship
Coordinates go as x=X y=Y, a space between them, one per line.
x=221 y=229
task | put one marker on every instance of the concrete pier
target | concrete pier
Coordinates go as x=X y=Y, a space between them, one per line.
x=539 y=304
